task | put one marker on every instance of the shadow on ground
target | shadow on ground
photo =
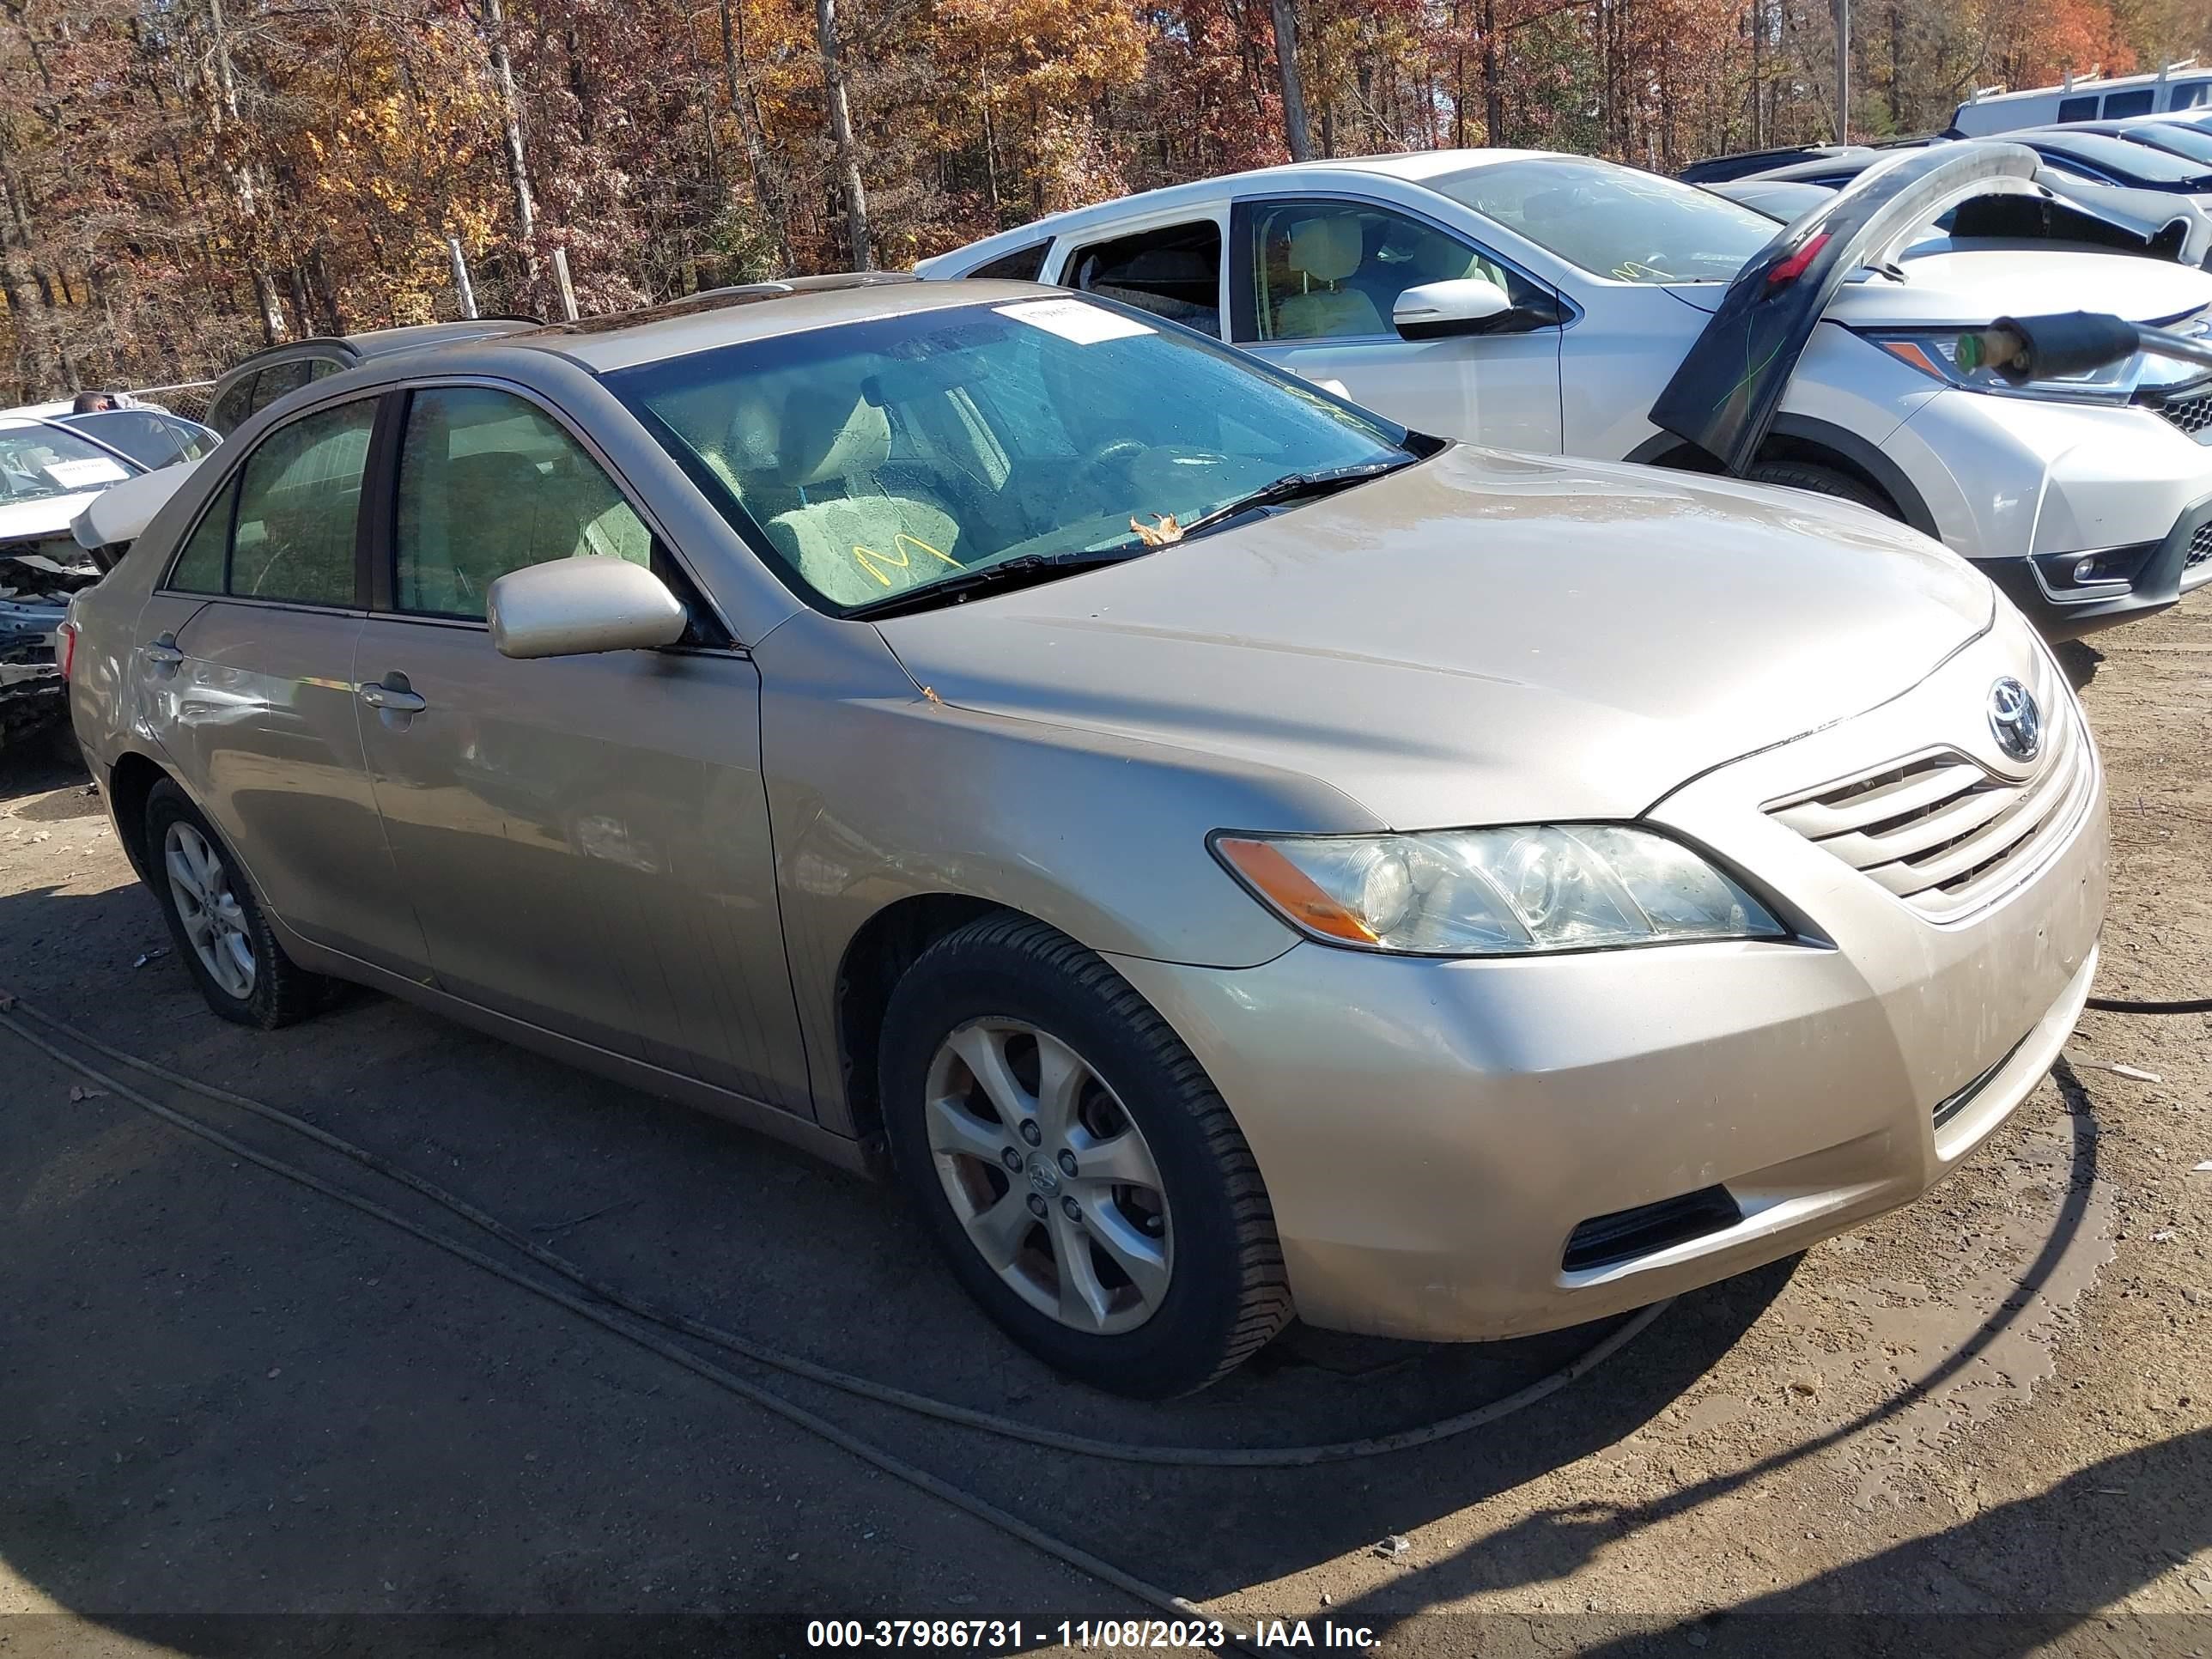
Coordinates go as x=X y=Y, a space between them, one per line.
x=228 y=1394
x=2068 y=1553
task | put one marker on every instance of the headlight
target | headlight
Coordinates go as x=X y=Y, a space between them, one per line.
x=1495 y=892
x=1935 y=351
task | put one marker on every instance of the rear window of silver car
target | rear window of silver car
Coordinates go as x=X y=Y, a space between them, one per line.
x=874 y=457
x=1613 y=221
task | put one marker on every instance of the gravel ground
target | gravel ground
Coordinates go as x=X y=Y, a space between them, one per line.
x=241 y=1418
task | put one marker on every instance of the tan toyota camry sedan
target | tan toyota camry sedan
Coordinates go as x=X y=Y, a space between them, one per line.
x=1235 y=856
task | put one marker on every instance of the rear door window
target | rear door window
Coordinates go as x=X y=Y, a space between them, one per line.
x=230 y=410
x=1022 y=265
x=204 y=566
x=1173 y=271
x=299 y=498
x=274 y=381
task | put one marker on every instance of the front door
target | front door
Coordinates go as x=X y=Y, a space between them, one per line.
x=585 y=838
x=1315 y=281
x=246 y=651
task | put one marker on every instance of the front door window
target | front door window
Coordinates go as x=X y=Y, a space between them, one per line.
x=1333 y=270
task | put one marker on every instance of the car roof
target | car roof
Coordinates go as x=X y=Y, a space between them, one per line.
x=382 y=341
x=757 y=311
x=1416 y=167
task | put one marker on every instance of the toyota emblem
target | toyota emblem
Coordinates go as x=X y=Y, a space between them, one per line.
x=2014 y=720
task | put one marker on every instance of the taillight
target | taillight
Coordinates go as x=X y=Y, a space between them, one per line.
x=65 y=644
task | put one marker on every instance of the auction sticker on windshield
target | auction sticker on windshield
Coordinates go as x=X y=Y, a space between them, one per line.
x=1072 y=319
x=75 y=475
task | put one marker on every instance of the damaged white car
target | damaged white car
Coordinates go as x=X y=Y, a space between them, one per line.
x=50 y=472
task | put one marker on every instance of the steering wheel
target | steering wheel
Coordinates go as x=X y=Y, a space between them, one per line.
x=1113 y=452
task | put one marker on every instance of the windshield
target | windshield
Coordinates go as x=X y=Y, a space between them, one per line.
x=40 y=462
x=147 y=437
x=876 y=459
x=1613 y=221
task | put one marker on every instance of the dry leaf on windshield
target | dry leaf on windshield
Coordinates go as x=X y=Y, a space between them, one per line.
x=1165 y=532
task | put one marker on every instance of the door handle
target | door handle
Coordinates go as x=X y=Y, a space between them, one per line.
x=393 y=696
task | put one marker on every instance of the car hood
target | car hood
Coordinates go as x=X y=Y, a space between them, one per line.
x=120 y=514
x=22 y=521
x=1974 y=288
x=1482 y=638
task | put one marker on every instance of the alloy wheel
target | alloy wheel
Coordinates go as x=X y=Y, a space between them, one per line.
x=207 y=903
x=1049 y=1176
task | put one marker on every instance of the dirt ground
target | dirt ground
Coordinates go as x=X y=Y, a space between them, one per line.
x=236 y=1417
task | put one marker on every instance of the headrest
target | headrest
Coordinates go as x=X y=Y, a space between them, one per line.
x=1440 y=259
x=1327 y=250
x=831 y=433
x=491 y=481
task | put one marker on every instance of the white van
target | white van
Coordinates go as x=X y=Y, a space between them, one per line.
x=2177 y=86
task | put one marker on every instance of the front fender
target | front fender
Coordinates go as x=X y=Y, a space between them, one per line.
x=878 y=792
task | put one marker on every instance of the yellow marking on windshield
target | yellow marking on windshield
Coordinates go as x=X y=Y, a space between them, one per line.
x=898 y=559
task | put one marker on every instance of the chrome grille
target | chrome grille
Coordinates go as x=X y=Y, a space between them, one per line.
x=2192 y=414
x=1943 y=831
x=2200 y=546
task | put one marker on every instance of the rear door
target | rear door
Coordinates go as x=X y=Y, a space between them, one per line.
x=585 y=838
x=245 y=652
x=1313 y=282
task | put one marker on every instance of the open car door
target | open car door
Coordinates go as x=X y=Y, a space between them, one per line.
x=1723 y=394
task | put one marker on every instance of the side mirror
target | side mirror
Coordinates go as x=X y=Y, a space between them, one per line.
x=1464 y=305
x=572 y=607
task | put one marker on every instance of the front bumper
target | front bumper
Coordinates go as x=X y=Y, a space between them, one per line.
x=2027 y=488
x=1439 y=1136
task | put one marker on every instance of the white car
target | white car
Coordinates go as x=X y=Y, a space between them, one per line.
x=1559 y=304
x=52 y=470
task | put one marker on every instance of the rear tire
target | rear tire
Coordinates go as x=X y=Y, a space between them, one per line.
x=1824 y=481
x=218 y=925
x=1127 y=1240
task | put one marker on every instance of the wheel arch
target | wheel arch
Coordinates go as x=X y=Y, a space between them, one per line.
x=130 y=781
x=1816 y=443
x=874 y=960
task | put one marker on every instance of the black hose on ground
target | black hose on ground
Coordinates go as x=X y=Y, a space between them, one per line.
x=2132 y=1005
x=885 y=1394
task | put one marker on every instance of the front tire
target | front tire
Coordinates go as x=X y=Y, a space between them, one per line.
x=1824 y=481
x=1086 y=1182
x=216 y=922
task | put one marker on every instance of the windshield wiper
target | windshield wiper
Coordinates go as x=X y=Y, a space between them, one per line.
x=1027 y=570
x=1294 y=486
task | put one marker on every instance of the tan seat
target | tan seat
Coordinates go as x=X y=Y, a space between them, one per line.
x=1323 y=252
x=852 y=541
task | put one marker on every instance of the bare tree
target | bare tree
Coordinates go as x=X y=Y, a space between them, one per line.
x=767 y=189
x=1296 y=132
x=840 y=134
x=490 y=19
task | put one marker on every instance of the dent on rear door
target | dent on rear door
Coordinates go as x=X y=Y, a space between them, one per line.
x=259 y=719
